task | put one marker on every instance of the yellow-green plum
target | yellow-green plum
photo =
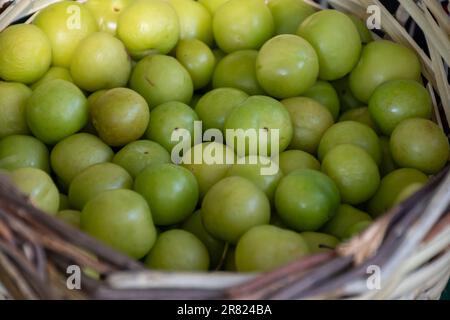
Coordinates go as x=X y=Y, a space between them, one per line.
x=71 y=217
x=241 y=25
x=324 y=93
x=398 y=62
x=289 y=14
x=65 y=23
x=346 y=217
x=286 y=66
x=120 y=116
x=74 y=154
x=107 y=12
x=327 y=31
x=26 y=53
x=319 y=242
x=356 y=229
x=13 y=99
x=52 y=74
x=121 y=219
x=95 y=180
x=171 y=192
x=56 y=110
x=292 y=160
x=38 y=186
x=212 y=5
x=364 y=32
x=161 y=79
x=101 y=62
x=20 y=151
x=361 y=115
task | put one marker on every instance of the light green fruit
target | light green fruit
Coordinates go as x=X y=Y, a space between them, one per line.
x=13 y=99
x=356 y=229
x=319 y=242
x=107 y=12
x=52 y=74
x=212 y=5
x=65 y=23
x=364 y=32
x=148 y=27
x=289 y=14
x=71 y=217
x=361 y=115
x=19 y=151
x=38 y=186
x=101 y=62
x=25 y=53
x=346 y=217
x=292 y=160
x=324 y=93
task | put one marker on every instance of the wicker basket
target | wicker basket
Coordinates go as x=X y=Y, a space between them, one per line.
x=403 y=255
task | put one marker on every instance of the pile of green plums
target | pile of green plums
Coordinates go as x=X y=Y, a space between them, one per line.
x=92 y=95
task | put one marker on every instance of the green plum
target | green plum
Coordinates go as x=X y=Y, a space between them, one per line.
x=198 y=60
x=63 y=202
x=148 y=27
x=194 y=225
x=364 y=32
x=195 y=20
x=356 y=229
x=408 y=192
x=327 y=31
x=166 y=119
x=101 y=62
x=65 y=23
x=354 y=171
x=13 y=100
x=71 y=217
x=38 y=186
x=26 y=53
x=351 y=132
x=161 y=79
x=52 y=74
x=324 y=93
x=310 y=120
x=306 y=199
x=289 y=14
x=288 y=74
x=242 y=25
x=56 y=110
x=200 y=161
x=345 y=219
x=19 y=151
x=120 y=116
x=319 y=242
x=387 y=164
x=121 y=219
x=361 y=115
x=170 y=190
x=214 y=107
x=107 y=12
x=420 y=144
x=95 y=180
x=390 y=188
x=233 y=206
x=138 y=155
x=212 y=5
x=398 y=100
x=399 y=62
x=262 y=171
x=292 y=160
x=259 y=114
x=346 y=98
x=77 y=152
x=178 y=250
x=238 y=70
x=264 y=248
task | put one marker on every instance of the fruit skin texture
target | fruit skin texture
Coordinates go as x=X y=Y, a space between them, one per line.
x=13 y=99
x=264 y=248
x=212 y=5
x=292 y=160
x=290 y=74
x=324 y=93
x=38 y=186
x=361 y=115
x=161 y=79
x=391 y=187
x=241 y=25
x=232 y=207
x=101 y=62
x=52 y=74
x=238 y=70
x=178 y=250
x=345 y=219
x=171 y=192
x=137 y=155
x=289 y=14
x=398 y=62
x=121 y=219
x=327 y=31
x=120 y=116
x=56 y=110
x=65 y=23
x=351 y=132
x=319 y=242
x=107 y=12
x=398 y=100
x=260 y=113
x=147 y=27
x=419 y=144
x=96 y=179
x=306 y=199
x=75 y=153
x=354 y=172
x=19 y=151
x=310 y=120
x=26 y=53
